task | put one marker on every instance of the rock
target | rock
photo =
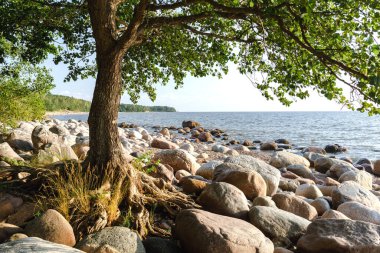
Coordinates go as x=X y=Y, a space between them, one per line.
x=4 y=164
x=300 y=170
x=20 y=140
x=283 y=159
x=337 y=170
x=376 y=168
x=80 y=150
x=190 y=124
x=295 y=205
x=317 y=150
x=217 y=234
x=361 y=177
x=192 y=185
x=331 y=182
x=161 y=245
x=7 y=230
x=333 y=214
x=349 y=236
x=250 y=182
x=282 y=141
x=161 y=171
x=327 y=190
x=165 y=132
x=195 y=134
x=7 y=152
x=323 y=164
x=219 y=148
x=9 y=205
x=181 y=173
x=34 y=244
x=270 y=174
x=334 y=148
x=41 y=136
x=225 y=199
x=312 y=157
x=241 y=148
x=163 y=144
x=352 y=191
x=53 y=153
x=207 y=170
x=268 y=146
x=282 y=250
x=357 y=211
x=288 y=185
x=203 y=156
x=309 y=191
x=121 y=239
x=17 y=236
x=59 y=130
x=247 y=143
x=187 y=147
x=53 y=227
x=178 y=159
x=232 y=152
x=321 y=205
x=278 y=224
x=205 y=137
x=263 y=201
x=23 y=214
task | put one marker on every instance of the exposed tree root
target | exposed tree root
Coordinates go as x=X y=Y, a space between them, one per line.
x=127 y=191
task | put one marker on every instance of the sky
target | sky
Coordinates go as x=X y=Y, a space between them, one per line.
x=233 y=92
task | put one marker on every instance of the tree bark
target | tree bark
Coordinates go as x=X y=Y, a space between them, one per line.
x=105 y=147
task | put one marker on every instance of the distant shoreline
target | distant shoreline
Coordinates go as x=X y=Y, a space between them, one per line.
x=56 y=113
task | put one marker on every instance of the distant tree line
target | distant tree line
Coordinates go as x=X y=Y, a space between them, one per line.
x=60 y=103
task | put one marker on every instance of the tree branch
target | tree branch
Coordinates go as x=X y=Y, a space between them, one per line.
x=217 y=36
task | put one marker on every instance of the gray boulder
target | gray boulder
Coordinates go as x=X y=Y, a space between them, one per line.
x=340 y=236
x=225 y=199
x=34 y=244
x=203 y=232
x=278 y=224
x=270 y=174
x=119 y=239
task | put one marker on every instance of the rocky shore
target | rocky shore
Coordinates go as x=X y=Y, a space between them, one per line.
x=255 y=196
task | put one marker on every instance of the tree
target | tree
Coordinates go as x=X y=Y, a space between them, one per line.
x=22 y=91
x=294 y=44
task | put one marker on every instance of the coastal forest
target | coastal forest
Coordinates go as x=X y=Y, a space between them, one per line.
x=54 y=103
x=102 y=186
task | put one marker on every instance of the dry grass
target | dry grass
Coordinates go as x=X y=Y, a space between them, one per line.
x=73 y=192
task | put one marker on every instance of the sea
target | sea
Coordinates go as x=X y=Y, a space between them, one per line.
x=357 y=131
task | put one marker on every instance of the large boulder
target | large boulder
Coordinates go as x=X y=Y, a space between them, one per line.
x=163 y=144
x=323 y=164
x=283 y=159
x=7 y=152
x=358 y=211
x=53 y=153
x=361 y=177
x=295 y=205
x=20 y=140
x=34 y=244
x=53 y=227
x=301 y=170
x=207 y=169
x=250 y=182
x=309 y=191
x=333 y=214
x=352 y=191
x=340 y=236
x=190 y=124
x=278 y=224
x=41 y=136
x=200 y=232
x=118 y=239
x=178 y=159
x=270 y=174
x=225 y=199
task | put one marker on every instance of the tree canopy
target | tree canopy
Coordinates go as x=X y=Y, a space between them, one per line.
x=295 y=45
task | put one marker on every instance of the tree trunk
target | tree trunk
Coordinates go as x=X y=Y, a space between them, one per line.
x=105 y=147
